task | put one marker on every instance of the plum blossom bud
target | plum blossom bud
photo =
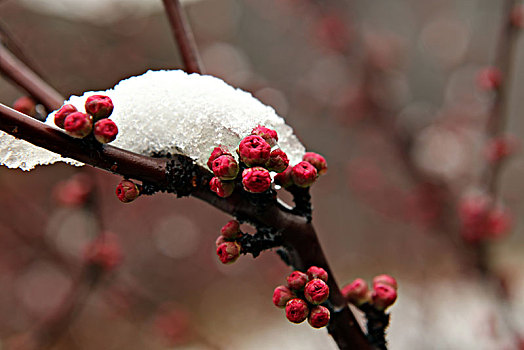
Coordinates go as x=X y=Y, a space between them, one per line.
x=127 y=191
x=225 y=167
x=75 y=191
x=317 y=272
x=256 y=180
x=317 y=161
x=231 y=230
x=278 y=161
x=63 y=113
x=228 y=252
x=221 y=239
x=254 y=150
x=296 y=280
x=104 y=252
x=282 y=295
x=296 y=310
x=269 y=135
x=385 y=279
x=489 y=78
x=316 y=291
x=105 y=130
x=383 y=296
x=78 y=124
x=499 y=148
x=223 y=189
x=473 y=213
x=217 y=152
x=26 y=105
x=357 y=292
x=319 y=316
x=284 y=178
x=499 y=222
x=304 y=174
x=99 y=106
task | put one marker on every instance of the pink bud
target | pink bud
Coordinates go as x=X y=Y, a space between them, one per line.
x=317 y=161
x=217 y=152
x=278 y=161
x=254 y=150
x=221 y=239
x=269 y=135
x=297 y=280
x=63 y=113
x=225 y=167
x=105 y=130
x=473 y=213
x=489 y=78
x=385 y=279
x=499 y=148
x=316 y=291
x=223 y=189
x=127 y=191
x=317 y=272
x=296 y=310
x=75 y=191
x=99 y=106
x=284 y=179
x=256 y=180
x=231 y=230
x=319 y=316
x=383 y=296
x=499 y=222
x=228 y=252
x=26 y=105
x=304 y=174
x=357 y=292
x=104 y=251
x=78 y=124
x=282 y=295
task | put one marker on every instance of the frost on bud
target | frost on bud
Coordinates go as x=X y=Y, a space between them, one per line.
x=223 y=189
x=105 y=130
x=319 y=316
x=282 y=295
x=217 y=152
x=62 y=113
x=269 y=135
x=500 y=148
x=284 y=178
x=225 y=167
x=357 y=292
x=228 y=252
x=127 y=191
x=256 y=180
x=304 y=174
x=317 y=272
x=489 y=78
x=316 y=291
x=104 y=252
x=73 y=192
x=296 y=310
x=99 y=106
x=297 y=280
x=231 y=230
x=385 y=279
x=78 y=124
x=383 y=296
x=317 y=161
x=254 y=150
x=26 y=105
x=278 y=161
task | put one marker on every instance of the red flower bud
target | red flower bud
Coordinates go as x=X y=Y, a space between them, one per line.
x=383 y=296
x=105 y=130
x=284 y=179
x=282 y=295
x=385 y=279
x=26 y=105
x=319 y=316
x=489 y=78
x=317 y=161
x=500 y=148
x=317 y=272
x=127 y=191
x=296 y=310
x=63 y=113
x=228 y=252
x=223 y=189
x=357 y=292
x=304 y=174
x=221 y=239
x=231 y=230
x=316 y=291
x=269 y=135
x=254 y=150
x=499 y=222
x=217 y=152
x=278 y=161
x=99 y=106
x=104 y=251
x=78 y=124
x=296 y=280
x=225 y=167
x=256 y=180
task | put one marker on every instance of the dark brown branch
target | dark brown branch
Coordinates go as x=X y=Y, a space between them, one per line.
x=183 y=35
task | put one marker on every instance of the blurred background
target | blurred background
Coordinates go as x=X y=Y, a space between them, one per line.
x=395 y=95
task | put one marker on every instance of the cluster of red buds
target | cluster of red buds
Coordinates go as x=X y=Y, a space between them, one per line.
x=481 y=219
x=127 y=191
x=382 y=296
x=303 y=295
x=104 y=252
x=228 y=249
x=305 y=173
x=95 y=120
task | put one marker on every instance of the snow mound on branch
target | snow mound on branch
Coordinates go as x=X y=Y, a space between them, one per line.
x=163 y=112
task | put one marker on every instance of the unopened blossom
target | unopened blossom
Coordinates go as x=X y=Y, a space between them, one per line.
x=281 y=295
x=78 y=124
x=228 y=252
x=225 y=167
x=304 y=174
x=317 y=161
x=317 y=272
x=269 y=135
x=319 y=316
x=278 y=161
x=254 y=150
x=316 y=291
x=357 y=292
x=99 y=106
x=62 y=113
x=297 y=310
x=256 y=180
x=105 y=130
x=127 y=191
x=297 y=280
x=223 y=189
x=383 y=296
